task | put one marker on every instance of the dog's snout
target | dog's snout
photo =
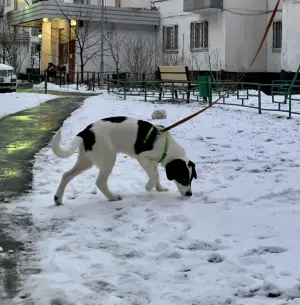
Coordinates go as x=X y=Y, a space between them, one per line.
x=188 y=194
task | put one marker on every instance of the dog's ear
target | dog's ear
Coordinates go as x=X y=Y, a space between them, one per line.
x=170 y=170
x=193 y=166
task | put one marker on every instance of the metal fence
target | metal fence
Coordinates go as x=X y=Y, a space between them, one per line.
x=281 y=97
x=71 y=78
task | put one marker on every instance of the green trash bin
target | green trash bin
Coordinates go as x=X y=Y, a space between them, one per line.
x=205 y=90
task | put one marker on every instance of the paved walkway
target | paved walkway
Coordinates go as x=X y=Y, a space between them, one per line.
x=22 y=135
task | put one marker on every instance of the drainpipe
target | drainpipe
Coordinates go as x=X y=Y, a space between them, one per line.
x=267 y=43
x=182 y=55
x=102 y=47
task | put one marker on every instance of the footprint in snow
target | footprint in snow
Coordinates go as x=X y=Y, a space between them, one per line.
x=266 y=250
x=215 y=258
x=206 y=246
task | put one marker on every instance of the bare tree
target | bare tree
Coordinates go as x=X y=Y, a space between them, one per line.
x=140 y=55
x=35 y=49
x=14 y=50
x=87 y=35
x=14 y=47
x=196 y=62
x=113 y=42
x=173 y=60
x=215 y=65
x=88 y=43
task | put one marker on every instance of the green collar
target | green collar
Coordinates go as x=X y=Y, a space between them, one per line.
x=163 y=157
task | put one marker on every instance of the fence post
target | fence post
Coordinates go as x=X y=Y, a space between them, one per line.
x=143 y=80
x=77 y=80
x=93 y=80
x=290 y=105
x=108 y=83
x=59 y=78
x=259 y=99
x=172 y=88
x=46 y=80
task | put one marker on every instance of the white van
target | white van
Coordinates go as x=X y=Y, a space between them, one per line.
x=8 y=78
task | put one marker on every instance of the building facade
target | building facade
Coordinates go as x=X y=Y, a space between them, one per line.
x=206 y=35
x=70 y=31
x=225 y=34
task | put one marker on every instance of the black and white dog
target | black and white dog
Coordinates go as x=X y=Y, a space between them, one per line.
x=100 y=142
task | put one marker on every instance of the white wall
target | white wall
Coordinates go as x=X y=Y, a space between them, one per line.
x=290 y=55
x=136 y=3
x=122 y=40
x=171 y=13
x=273 y=57
x=235 y=33
x=242 y=38
x=244 y=25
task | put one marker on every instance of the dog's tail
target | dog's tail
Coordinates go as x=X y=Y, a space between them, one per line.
x=67 y=152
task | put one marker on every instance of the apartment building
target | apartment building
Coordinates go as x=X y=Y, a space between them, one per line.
x=71 y=30
x=225 y=34
x=203 y=34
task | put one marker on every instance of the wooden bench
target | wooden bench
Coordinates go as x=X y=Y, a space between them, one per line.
x=168 y=75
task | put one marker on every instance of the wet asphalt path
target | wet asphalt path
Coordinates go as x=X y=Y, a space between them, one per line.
x=22 y=135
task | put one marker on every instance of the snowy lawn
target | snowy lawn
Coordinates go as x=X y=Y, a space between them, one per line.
x=14 y=102
x=236 y=241
x=67 y=88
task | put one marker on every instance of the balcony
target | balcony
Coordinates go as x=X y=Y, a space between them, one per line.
x=202 y=6
x=31 y=16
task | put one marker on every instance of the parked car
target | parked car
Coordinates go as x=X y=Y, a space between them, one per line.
x=8 y=79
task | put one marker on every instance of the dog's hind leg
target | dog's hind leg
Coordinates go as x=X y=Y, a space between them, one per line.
x=106 y=168
x=80 y=166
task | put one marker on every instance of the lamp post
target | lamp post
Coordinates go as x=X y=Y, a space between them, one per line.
x=39 y=49
x=102 y=47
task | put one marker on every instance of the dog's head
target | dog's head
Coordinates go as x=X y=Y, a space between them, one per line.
x=182 y=171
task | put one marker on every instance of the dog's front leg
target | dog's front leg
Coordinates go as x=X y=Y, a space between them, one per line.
x=160 y=188
x=152 y=171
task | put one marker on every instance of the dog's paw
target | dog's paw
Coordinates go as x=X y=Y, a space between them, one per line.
x=150 y=185
x=57 y=201
x=116 y=198
x=162 y=189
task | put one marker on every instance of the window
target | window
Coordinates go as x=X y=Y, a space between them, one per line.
x=35 y=48
x=170 y=38
x=199 y=35
x=277 y=34
x=35 y=31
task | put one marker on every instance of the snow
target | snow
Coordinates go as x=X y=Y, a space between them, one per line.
x=236 y=241
x=14 y=102
x=67 y=88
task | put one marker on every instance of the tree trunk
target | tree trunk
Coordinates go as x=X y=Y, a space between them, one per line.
x=81 y=66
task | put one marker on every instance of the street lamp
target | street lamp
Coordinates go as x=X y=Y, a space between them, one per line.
x=39 y=49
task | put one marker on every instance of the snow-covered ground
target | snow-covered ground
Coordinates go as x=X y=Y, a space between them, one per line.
x=236 y=241
x=14 y=102
x=67 y=88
